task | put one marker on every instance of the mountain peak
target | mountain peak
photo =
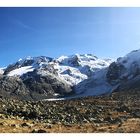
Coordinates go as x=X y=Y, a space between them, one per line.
x=73 y=69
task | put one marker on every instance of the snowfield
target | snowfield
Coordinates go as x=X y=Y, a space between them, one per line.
x=1 y=70
x=21 y=71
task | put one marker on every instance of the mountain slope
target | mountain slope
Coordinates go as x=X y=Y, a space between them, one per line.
x=123 y=74
x=96 y=85
x=125 y=71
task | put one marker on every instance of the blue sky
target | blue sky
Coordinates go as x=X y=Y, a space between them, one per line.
x=105 y=32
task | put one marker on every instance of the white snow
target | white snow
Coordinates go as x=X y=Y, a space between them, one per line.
x=85 y=59
x=88 y=64
x=131 y=57
x=95 y=85
x=71 y=74
x=54 y=99
x=1 y=71
x=21 y=71
x=62 y=58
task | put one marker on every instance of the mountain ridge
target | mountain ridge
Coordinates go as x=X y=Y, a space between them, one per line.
x=78 y=75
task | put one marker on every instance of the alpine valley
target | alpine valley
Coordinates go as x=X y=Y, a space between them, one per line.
x=77 y=93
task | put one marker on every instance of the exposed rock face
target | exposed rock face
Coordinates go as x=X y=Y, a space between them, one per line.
x=13 y=87
x=33 y=86
x=114 y=72
x=129 y=84
x=45 y=85
x=74 y=61
x=125 y=72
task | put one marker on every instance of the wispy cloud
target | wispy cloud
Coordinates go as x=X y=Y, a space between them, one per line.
x=18 y=23
x=21 y=24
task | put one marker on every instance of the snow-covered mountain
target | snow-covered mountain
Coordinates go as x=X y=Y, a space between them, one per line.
x=76 y=68
x=76 y=75
x=28 y=64
x=125 y=71
x=123 y=74
x=44 y=77
x=72 y=69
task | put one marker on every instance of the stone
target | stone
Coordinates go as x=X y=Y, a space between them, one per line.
x=2 y=123
x=38 y=131
x=26 y=125
x=15 y=125
x=49 y=126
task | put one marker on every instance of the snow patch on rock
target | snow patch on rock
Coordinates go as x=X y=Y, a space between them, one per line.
x=21 y=71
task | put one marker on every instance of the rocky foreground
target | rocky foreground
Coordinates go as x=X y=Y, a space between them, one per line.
x=118 y=113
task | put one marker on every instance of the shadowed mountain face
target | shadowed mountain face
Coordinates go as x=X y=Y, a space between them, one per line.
x=48 y=85
x=32 y=79
x=33 y=86
x=38 y=78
